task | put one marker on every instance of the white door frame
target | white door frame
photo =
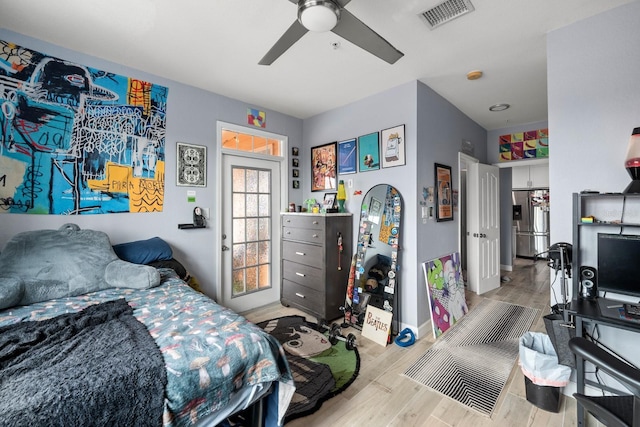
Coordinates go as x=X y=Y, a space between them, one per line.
x=284 y=188
x=463 y=162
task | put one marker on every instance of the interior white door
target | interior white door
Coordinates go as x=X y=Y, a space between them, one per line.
x=250 y=232
x=483 y=227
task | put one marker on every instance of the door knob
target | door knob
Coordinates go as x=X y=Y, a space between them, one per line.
x=225 y=247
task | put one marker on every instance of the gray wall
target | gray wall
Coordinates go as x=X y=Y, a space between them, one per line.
x=388 y=109
x=593 y=70
x=434 y=130
x=191 y=117
x=441 y=129
x=506 y=222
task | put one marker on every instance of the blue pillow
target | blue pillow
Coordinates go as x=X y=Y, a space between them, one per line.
x=144 y=251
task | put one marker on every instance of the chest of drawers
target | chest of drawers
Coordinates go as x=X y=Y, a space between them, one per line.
x=314 y=271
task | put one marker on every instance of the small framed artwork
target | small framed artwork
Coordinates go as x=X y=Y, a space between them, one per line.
x=444 y=193
x=296 y=183
x=191 y=167
x=295 y=151
x=295 y=173
x=347 y=157
x=368 y=152
x=392 y=147
x=329 y=201
x=323 y=167
x=295 y=162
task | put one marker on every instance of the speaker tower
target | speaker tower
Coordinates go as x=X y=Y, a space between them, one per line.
x=588 y=282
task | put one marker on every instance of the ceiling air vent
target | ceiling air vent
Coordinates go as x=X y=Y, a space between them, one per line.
x=446 y=11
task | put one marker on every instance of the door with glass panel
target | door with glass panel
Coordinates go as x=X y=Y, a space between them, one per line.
x=250 y=232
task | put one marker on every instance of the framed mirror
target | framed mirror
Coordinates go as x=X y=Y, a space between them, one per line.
x=374 y=278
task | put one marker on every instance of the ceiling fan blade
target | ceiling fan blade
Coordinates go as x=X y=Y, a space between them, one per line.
x=351 y=28
x=292 y=35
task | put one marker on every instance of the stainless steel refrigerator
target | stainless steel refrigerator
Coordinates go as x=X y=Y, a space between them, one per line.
x=531 y=220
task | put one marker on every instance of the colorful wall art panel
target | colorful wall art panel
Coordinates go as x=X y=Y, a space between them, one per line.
x=532 y=144
x=445 y=289
x=256 y=118
x=77 y=140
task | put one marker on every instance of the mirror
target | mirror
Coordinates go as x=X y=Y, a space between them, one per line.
x=373 y=279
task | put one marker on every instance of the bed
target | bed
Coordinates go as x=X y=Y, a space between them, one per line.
x=214 y=362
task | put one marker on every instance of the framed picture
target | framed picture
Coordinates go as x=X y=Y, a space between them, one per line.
x=368 y=152
x=295 y=173
x=295 y=162
x=329 y=201
x=296 y=183
x=444 y=193
x=295 y=151
x=347 y=157
x=191 y=168
x=323 y=167
x=392 y=147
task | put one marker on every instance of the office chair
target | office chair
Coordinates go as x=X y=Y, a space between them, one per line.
x=612 y=411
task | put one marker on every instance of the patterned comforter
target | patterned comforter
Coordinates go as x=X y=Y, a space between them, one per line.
x=210 y=352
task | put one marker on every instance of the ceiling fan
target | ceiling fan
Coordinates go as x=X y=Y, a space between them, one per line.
x=330 y=15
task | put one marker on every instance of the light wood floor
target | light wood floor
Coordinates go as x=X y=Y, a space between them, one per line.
x=381 y=396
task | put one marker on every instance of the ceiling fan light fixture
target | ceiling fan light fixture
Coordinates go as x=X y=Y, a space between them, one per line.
x=318 y=15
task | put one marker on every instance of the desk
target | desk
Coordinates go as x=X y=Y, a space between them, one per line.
x=584 y=310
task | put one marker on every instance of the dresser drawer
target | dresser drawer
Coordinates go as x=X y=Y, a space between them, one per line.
x=303 y=234
x=301 y=295
x=303 y=221
x=303 y=253
x=310 y=277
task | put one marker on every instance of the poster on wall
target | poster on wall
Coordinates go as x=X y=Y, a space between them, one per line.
x=77 y=140
x=191 y=165
x=445 y=290
x=393 y=146
x=444 y=193
x=323 y=167
x=347 y=157
x=368 y=152
x=533 y=144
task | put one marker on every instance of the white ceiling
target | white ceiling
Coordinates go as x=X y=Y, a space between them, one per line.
x=216 y=45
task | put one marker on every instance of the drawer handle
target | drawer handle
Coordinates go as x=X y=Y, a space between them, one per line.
x=314 y=235
x=300 y=295
x=287 y=220
x=315 y=222
x=300 y=274
x=300 y=253
x=288 y=232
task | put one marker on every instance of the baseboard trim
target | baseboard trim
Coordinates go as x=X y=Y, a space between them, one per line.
x=422 y=331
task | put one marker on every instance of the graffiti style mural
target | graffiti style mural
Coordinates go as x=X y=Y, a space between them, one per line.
x=77 y=140
x=445 y=288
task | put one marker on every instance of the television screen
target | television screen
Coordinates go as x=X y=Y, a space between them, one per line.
x=619 y=264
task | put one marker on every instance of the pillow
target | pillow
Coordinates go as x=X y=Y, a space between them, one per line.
x=144 y=251
x=174 y=264
x=41 y=265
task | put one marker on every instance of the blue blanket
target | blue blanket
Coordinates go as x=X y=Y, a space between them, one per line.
x=210 y=352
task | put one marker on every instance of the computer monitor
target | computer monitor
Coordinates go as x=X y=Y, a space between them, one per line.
x=619 y=264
